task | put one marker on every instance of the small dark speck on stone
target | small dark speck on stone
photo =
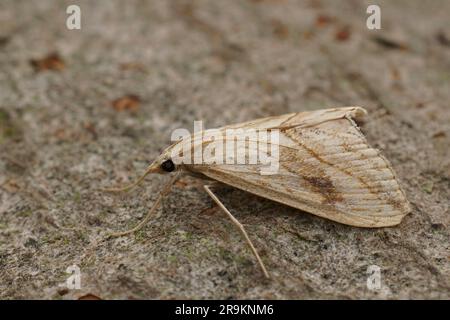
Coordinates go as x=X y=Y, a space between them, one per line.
x=31 y=242
x=4 y=40
x=63 y=291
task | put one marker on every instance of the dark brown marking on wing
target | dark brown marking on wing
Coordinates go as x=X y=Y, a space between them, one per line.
x=320 y=159
x=312 y=177
x=325 y=187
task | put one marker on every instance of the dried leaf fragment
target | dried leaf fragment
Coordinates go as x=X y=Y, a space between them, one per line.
x=323 y=20
x=343 y=34
x=389 y=43
x=89 y=296
x=51 y=62
x=132 y=66
x=127 y=102
x=279 y=29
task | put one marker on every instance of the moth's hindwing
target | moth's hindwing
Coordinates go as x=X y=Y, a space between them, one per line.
x=326 y=167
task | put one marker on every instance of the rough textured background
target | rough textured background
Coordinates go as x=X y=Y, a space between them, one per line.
x=63 y=133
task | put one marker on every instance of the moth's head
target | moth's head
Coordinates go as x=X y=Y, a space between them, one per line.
x=164 y=163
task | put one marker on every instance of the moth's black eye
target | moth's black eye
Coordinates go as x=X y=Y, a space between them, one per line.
x=168 y=166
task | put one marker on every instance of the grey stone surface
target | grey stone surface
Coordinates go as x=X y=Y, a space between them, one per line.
x=221 y=62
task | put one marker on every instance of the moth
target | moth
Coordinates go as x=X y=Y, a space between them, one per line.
x=325 y=167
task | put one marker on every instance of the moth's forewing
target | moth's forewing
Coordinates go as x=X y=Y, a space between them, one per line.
x=326 y=168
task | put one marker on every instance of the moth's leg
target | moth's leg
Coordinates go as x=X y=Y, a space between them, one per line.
x=152 y=210
x=240 y=227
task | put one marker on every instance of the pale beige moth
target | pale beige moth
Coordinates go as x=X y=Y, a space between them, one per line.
x=326 y=167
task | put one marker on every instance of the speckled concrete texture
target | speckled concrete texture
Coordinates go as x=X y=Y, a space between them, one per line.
x=90 y=108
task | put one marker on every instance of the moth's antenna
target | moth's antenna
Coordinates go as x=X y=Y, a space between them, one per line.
x=155 y=206
x=127 y=188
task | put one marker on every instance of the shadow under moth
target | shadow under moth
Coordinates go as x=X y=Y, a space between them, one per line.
x=325 y=167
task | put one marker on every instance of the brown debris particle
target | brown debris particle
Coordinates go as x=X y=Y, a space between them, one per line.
x=10 y=186
x=443 y=39
x=279 y=29
x=61 y=134
x=51 y=62
x=389 y=43
x=323 y=20
x=127 y=102
x=307 y=35
x=315 y=4
x=395 y=73
x=181 y=183
x=228 y=52
x=90 y=127
x=89 y=296
x=420 y=105
x=134 y=66
x=4 y=40
x=209 y=211
x=342 y=34
x=439 y=134
x=63 y=291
